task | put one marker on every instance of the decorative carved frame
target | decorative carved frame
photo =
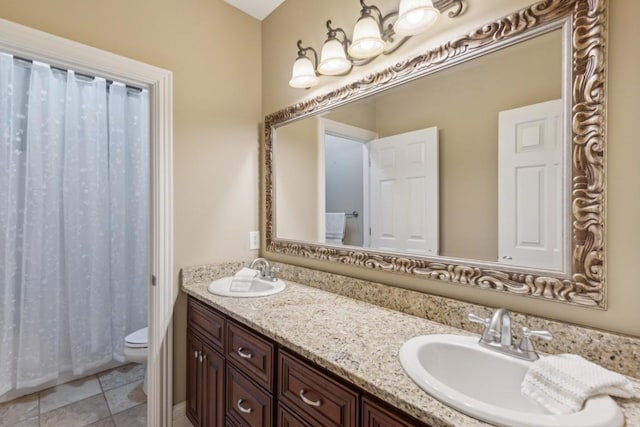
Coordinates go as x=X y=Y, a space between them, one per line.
x=585 y=285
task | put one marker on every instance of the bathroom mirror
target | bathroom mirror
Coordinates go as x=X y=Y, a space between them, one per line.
x=480 y=162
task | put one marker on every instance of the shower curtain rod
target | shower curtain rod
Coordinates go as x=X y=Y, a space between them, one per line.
x=87 y=76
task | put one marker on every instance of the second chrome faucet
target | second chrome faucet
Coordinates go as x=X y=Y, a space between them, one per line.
x=267 y=271
x=497 y=335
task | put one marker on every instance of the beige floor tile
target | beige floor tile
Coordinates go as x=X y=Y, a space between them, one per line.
x=31 y=422
x=132 y=417
x=62 y=395
x=77 y=414
x=125 y=397
x=105 y=422
x=21 y=409
x=182 y=422
x=120 y=376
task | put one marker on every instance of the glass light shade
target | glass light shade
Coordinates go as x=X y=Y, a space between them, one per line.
x=303 y=75
x=415 y=16
x=333 y=59
x=367 y=41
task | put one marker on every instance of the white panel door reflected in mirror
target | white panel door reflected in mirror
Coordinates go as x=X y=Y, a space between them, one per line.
x=530 y=186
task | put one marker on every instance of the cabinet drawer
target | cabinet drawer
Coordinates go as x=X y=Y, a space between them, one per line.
x=375 y=414
x=287 y=419
x=246 y=403
x=251 y=353
x=317 y=398
x=206 y=322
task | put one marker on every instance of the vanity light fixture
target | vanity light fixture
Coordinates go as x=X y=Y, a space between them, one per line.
x=368 y=33
x=304 y=71
x=374 y=34
x=415 y=16
x=333 y=57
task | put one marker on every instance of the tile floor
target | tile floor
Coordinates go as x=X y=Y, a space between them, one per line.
x=112 y=398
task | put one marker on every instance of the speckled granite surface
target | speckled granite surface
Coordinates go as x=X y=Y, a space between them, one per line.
x=353 y=339
x=616 y=352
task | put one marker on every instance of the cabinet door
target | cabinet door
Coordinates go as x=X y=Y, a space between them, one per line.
x=287 y=419
x=213 y=387
x=375 y=414
x=194 y=380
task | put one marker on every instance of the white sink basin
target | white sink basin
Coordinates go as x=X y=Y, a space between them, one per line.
x=485 y=384
x=258 y=288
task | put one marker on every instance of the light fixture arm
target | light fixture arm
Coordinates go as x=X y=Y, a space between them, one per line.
x=366 y=9
x=333 y=33
x=302 y=53
x=386 y=28
x=443 y=5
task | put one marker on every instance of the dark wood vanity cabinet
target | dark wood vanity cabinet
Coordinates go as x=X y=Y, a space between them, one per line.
x=236 y=377
x=205 y=383
x=205 y=366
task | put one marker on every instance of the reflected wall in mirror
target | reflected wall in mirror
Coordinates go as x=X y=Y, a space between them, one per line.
x=488 y=173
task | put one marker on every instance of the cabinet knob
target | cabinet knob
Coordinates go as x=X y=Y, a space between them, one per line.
x=243 y=409
x=309 y=401
x=195 y=354
x=243 y=354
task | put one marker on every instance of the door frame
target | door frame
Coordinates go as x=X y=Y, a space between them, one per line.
x=29 y=43
x=332 y=127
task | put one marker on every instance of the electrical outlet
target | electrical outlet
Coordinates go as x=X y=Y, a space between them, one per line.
x=254 y=240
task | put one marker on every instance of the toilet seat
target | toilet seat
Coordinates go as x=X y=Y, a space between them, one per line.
x=137 y=339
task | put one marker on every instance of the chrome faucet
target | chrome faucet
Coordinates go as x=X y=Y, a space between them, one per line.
x=497 y=335
x=500 y=326
x=267 y=272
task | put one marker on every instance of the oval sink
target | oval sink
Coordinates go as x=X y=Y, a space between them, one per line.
x=485 y=384
x=258 y=288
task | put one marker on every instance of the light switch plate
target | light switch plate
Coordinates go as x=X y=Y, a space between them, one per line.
x=254 y=240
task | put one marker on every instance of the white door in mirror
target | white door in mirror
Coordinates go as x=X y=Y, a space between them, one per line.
x=486 y=384
x=404 y=192
x=530 y=198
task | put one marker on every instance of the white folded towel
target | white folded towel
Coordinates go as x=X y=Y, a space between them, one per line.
x=335 y=224
x=563 y=382
x=241 y=281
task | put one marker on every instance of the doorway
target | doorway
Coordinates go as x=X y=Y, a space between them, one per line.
x=22 y=41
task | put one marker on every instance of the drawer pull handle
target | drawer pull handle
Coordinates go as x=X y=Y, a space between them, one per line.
x=244 y=355
x=195 y=354
x=308 y=401
x=242 y=409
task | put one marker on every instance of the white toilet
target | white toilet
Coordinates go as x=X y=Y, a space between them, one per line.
x=135 y=350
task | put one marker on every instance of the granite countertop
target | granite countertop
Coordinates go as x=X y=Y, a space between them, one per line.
x=355 y=340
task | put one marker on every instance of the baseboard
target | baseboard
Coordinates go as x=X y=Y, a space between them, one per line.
x=180 y=415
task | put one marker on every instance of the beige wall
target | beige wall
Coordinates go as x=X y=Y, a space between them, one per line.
x=361 y=114
x=214 y=53
x=304 y=19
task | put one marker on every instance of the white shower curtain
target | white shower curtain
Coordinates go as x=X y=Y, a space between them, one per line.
x=74 y=220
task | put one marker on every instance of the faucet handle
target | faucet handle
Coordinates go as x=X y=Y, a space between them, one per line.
x=274 y=272
x=525 y=343
x=477 y=319
x=487 y=334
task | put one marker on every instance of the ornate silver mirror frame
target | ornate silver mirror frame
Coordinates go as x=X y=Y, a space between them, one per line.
x=585 y=285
